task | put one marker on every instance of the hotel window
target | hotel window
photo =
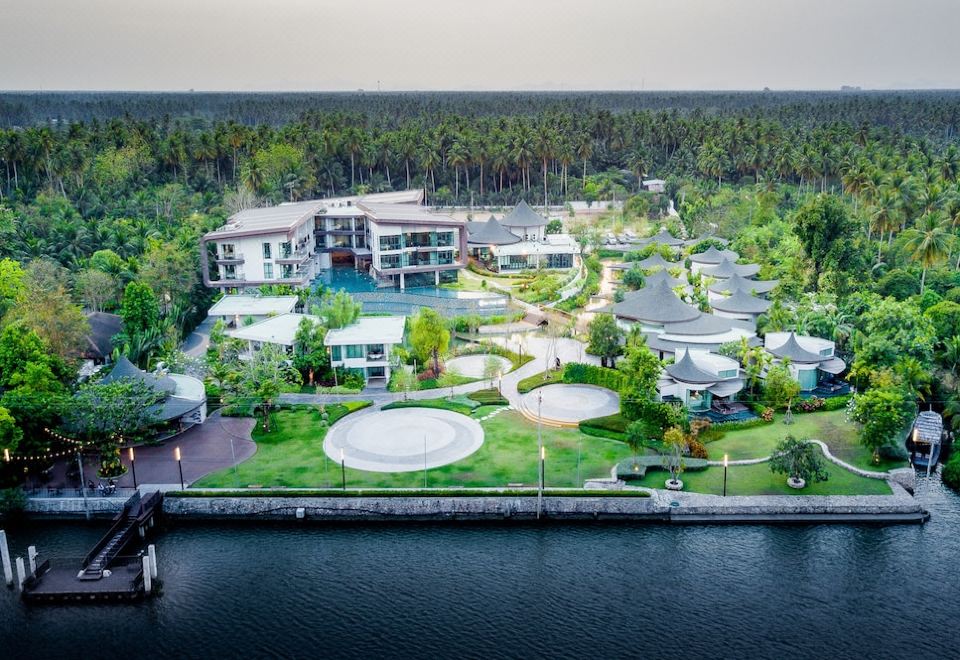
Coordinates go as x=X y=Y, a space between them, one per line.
x=826 y=352
x=355 y=351
x=268 y=271
x=335 y=354
x=390 y=242
x=227 y=251
x=444 y=238
x=728 y=373
x=389 y=261
x=266 y=251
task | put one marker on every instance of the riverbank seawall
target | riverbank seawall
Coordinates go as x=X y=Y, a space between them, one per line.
x=659 y=506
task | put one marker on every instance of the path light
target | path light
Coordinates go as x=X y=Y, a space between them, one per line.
x=725 y=462
x=133 y=466
x=178 y=457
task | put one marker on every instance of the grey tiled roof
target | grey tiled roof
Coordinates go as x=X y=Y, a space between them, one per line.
x=727 y=268
x=793 y=350
x=663 y=237
x=735 y=282
x=713 y=256
x=688 y=372
x=492 y=233
x=523 y=216
x=655 y=304
x=124 y=368
x=656 y=260
x=741 y=302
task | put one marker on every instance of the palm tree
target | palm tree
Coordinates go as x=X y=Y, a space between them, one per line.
x=929 y=242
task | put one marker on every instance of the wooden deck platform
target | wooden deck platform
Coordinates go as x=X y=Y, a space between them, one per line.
x=63 y=584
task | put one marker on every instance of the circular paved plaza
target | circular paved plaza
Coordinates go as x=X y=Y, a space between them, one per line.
x=403 y=440
x=572 y=403
x=473 y=366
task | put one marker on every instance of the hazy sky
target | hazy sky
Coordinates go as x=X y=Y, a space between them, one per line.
x=477 y=44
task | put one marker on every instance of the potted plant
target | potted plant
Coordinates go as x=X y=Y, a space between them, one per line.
x=800 y=461
x=674 y=444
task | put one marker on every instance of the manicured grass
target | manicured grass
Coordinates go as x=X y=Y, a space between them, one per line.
x=290 y=455
x=759 y=480
x=611 y=426
x=489 y=397
x=539 y=380
x=831 y=427
x=293 y=457
x=449 y=380
x=453 y=405
x=483 y=411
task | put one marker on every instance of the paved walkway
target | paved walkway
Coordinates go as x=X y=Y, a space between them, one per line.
x=475 y=366
x=570 y=404
x=197 y=341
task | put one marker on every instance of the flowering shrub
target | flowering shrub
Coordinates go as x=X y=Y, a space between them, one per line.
x=767 y=415
x=426 y=374
x=809 y=405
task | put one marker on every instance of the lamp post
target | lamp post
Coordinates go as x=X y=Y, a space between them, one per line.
x=178 y=457
x=725 y=461
x=133 y=466
x=343 y=471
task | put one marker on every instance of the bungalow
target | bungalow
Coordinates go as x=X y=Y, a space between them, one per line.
x=366 y=346
x=711 y=257
x=663 y=237
x=811 y=360
x=655 y=185
x=280 y=330
x=99 y=347
x=727 y=269
x=741 y=305
x=699 y=378
x=727 y=286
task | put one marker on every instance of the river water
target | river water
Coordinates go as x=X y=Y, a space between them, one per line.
x=482 y=591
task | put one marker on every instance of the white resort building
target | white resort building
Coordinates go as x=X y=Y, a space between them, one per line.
x=519 y=241
x=367 y=346
x=811 y=360
x=700 y=379
x=388 y=235
x=279 y=330
x=237 y=310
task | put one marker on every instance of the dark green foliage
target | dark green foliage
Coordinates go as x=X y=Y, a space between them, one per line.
x=588 y=374
x=798 y=459
x=611 y=426
x=489 y=397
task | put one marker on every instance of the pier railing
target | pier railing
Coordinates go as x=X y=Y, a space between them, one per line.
x=72 y=492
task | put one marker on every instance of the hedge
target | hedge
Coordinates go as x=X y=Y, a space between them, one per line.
x=613 y=427
x=531 y=383
x=951 y=472
x=588 y=374
x=453 y=405
x=411 y=492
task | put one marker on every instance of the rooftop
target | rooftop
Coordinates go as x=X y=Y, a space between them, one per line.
x=253 y=305
x=735 y=282
x=655 y=303
x=790 y=348
x=656 y=260
x=713 y=256
x=523 y=216
x=280 y=329
x=727 y=268
x=103 y=327
x=741 y=302
x=406 y=214
x=684 y=369
x=554 y=244
x=491 y=232
x=663 y=237
x=368 y=330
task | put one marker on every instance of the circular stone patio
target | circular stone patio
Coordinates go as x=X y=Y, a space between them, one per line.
x=572 y=403
x=473 y=366
x=397 y=440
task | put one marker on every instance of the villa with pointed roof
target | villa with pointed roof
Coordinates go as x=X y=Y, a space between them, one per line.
x=811 y=360
x=729 y=285
x=727 y=268
x=699 y=379
x=519 y=241
x=711 y=257
x=740 y=305
x=663 y=237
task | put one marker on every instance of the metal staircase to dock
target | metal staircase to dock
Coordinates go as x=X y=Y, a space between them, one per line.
x=138 y=511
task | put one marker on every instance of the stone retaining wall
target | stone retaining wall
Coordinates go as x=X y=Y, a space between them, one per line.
x=413 y=508
x=74 y=506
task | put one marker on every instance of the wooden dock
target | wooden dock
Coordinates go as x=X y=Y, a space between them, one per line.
x=103 y=575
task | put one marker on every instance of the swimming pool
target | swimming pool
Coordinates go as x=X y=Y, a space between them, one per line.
x=354 y=281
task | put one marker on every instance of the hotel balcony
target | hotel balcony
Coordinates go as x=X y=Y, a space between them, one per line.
x=294 y=256
x=229 y=259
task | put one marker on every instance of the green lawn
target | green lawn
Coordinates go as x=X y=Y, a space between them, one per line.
x=292 y=456
x=759 y=480
x=831 y=427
